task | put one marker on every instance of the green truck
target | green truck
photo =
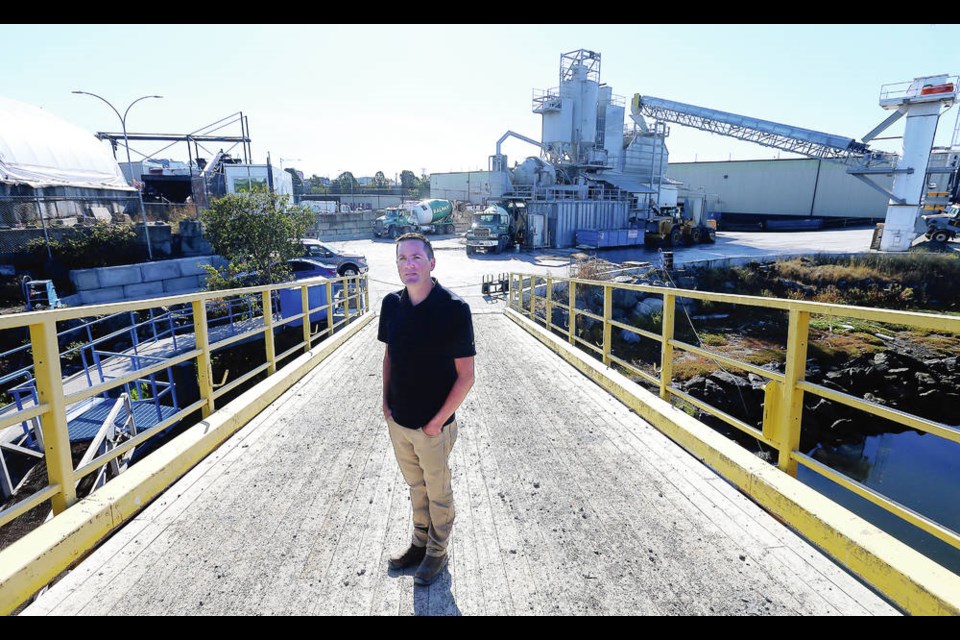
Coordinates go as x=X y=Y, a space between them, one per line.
x=492 y=230
x=426 y=216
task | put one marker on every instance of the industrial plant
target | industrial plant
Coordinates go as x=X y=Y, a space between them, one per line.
x=602 y=182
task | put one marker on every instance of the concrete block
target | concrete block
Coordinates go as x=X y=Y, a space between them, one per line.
x=163 y=270
x=101 y=213
x=191 y=266
x=186 y=283
x=97 y=296
x=119 y=276
x=84 y=279
x=142 y=290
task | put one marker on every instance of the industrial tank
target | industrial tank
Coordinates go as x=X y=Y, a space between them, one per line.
x=428 y=211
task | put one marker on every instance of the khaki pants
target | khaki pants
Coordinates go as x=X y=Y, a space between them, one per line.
x=424 y=464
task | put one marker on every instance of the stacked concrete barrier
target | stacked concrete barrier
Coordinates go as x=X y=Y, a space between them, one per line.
x=345 y=226
x=143 y=280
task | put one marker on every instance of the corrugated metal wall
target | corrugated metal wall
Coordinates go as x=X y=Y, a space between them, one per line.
x=784 y=187
x=566 y=217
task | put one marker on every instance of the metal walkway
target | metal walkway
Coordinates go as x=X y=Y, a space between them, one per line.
x=567 y=503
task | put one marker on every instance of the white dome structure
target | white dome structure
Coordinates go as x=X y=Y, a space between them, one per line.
x=38 y=150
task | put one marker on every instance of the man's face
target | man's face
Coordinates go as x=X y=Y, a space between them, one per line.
x=413 y=265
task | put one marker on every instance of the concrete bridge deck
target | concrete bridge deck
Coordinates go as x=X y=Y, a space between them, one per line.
x=567 y=503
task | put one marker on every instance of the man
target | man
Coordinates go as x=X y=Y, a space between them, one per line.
x=427 y=372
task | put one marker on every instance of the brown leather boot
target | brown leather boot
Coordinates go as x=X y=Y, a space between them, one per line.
x=429 y=569
x=410 y=558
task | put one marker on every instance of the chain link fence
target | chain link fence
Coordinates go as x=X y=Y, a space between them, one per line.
x=25 y=220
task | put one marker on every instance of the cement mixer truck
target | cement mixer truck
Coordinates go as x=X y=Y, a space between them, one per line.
x=495 y=228
x=426 y=216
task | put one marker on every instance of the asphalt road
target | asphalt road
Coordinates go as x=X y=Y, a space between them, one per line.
x=464 y=274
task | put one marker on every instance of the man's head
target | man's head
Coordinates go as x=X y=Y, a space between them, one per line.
x=414 y=259
x=427 y=247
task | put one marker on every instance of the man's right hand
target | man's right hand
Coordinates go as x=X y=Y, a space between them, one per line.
x=387 y=414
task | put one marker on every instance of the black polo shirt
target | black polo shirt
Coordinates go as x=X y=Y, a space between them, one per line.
x=423 y=341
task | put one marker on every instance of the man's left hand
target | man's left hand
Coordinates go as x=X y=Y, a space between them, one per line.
x=432 y=429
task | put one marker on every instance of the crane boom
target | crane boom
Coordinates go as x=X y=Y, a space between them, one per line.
x=814 y=144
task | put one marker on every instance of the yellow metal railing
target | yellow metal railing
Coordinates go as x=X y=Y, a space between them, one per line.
x=53 y=403
x=533 y=296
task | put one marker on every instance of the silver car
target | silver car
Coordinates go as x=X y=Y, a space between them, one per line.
x=347 y=264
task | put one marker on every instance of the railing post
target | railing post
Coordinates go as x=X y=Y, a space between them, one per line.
x=791 y=404
x=346 y=302
x=533 y=298
x=772 y=392
x=366 y=291
x=607 y=327
x=572 y=313
x=329 y=286
x=56 y=437
x=204 y=364
x=266 y=301
x=666 y=349
x=305 y=307
x=549 y=323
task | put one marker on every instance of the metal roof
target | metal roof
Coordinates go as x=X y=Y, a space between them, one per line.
x=633 y=184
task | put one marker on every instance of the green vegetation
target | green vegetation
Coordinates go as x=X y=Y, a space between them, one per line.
x=99 y=245
x=257 y=233
x=908 y=281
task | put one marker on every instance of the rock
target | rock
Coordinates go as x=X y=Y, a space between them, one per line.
x=625 y=298
x=630 y=337
x=729 y=380
x=648 y=307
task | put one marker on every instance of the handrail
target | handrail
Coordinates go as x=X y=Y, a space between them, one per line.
x=784 y=390
x=52 y=403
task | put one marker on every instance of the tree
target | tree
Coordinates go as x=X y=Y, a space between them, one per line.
x=257 y=233
x=379 y=181
x=298 y=184
x=422 y=186
x=316 y=184
x=408 y=180
x=346 y=183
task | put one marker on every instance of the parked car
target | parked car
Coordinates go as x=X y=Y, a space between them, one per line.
x=346 y=264
x=303 y=268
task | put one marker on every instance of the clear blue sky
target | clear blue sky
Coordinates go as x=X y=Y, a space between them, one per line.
x=368 y=98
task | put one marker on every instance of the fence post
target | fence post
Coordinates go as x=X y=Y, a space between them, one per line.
x=366 y=291
x=666 y=349
x=533 y=298
x=56 y=437
x=791 y=404
x=43 y=225
x=329 y=286
x=572 y=313
x=607 y=327
x=549 y=323
x=305 y=307
x=267 y=302
x=204 y=364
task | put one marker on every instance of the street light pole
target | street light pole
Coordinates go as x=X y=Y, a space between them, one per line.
x=126 y=143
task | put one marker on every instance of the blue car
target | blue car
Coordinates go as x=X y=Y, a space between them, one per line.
x=304 y=268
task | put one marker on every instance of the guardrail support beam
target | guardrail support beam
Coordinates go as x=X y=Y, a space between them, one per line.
x=56 y=437
x=666 y=348
x=791 y=403
x=204 y=363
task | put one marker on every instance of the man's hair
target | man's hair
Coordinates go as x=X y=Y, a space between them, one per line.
x=427 y=247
